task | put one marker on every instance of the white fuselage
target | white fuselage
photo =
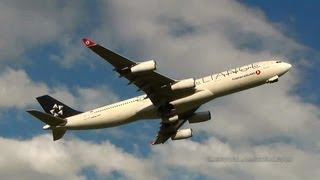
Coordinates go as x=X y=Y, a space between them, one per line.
x=207 y=88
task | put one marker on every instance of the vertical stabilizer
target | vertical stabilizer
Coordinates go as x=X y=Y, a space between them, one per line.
x=55 y=107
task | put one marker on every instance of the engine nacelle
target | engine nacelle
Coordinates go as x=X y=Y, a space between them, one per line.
x=200 y=117
x=184 y=84
x=182 y=134
x=144 y=66
x=273 y=79
x=170 y=119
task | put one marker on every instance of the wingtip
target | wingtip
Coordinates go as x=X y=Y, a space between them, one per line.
x=30 y=110
x=153 y=143
x=88 y=42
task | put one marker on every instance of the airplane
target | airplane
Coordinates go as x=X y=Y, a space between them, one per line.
x=172 y=101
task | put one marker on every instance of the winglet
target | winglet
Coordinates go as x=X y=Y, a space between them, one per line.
x=88 y=42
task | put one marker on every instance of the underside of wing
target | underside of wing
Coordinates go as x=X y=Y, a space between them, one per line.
x=114 y=59
x=143 y=74
x=168 y=130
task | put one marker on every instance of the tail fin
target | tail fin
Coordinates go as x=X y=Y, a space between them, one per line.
x=55 y=115
x=52 y=121
x=55 y=107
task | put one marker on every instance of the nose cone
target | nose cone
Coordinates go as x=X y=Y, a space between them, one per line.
x=285 y=67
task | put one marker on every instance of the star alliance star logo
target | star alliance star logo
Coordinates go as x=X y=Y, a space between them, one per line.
x=56 y=110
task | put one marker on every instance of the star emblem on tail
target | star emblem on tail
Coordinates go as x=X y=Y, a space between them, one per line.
x=56 y=110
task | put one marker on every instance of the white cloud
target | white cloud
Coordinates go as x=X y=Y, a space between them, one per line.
x=95 y=97
x=19 y=90
x=206 y=158
x=40 y=158
x=31 y=24
x=187 y=39
x=220 y=34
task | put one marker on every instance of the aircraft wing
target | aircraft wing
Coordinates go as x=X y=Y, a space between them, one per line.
x=169 y=129
x=150 y=81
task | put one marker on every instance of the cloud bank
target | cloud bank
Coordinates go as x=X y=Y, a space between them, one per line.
x=187 y=39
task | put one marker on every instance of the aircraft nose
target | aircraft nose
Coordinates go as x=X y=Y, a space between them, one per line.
x=287 y=66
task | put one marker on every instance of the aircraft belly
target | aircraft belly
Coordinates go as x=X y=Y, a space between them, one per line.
x=149 y=111
x=108 y=118
x=193 y=101
x=140 y=109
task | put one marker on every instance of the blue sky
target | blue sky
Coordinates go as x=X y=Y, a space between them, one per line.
x=298 y=21
x=296 y=16
x=42 y=53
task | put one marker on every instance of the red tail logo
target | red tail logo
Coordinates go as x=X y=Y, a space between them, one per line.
x=88 y=42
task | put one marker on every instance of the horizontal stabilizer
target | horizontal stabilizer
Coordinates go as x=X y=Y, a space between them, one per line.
x=47 y=118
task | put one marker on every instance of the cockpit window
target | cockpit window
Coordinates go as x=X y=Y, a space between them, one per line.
x=278 y=62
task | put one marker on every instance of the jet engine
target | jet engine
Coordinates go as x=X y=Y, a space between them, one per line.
x=182 y=134
x=200 y=117
x=273 y=79
x=170 y=119
x=184 y=84
x=144 y=66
